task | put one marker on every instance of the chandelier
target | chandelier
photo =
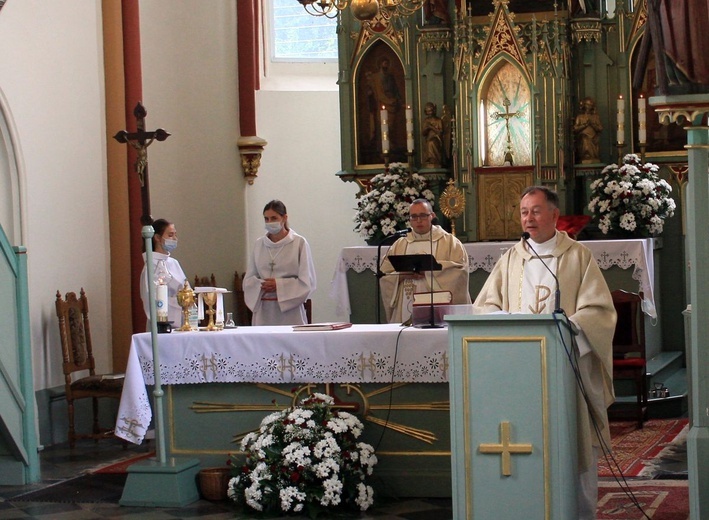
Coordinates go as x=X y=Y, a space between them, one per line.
x=363 y=10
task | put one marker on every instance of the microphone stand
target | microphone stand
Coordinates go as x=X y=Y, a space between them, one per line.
x=432 y=321
x=379 y=274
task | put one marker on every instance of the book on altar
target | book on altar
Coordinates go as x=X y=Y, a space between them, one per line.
x=334 y=325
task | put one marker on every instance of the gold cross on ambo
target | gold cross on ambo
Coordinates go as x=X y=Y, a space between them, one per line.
x=505 y=448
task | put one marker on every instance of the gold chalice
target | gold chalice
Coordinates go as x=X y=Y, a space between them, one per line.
x=185 y=299
x=210 y=300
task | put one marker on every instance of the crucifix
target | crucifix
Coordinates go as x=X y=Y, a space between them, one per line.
x=140 y=140
x=507 y=115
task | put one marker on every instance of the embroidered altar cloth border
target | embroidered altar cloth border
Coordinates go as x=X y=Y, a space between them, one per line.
x=636 y=253
x=360 y=354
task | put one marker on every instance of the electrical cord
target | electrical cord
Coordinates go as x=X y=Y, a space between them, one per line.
x=391 y=386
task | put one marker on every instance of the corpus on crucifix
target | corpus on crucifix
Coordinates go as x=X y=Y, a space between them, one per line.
x=507 y=115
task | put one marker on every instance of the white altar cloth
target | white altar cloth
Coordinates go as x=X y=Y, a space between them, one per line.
x=636 y=253
x=360 y=354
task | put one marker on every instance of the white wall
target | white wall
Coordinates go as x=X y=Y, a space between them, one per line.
x=51 y=72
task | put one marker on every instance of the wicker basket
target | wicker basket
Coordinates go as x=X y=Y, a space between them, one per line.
x=213 y=483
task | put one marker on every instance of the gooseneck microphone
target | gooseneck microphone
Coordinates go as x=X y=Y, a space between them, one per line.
x=388 y=239
x=557 y=293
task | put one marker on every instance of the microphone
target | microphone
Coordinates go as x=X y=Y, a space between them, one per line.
x=557 y=293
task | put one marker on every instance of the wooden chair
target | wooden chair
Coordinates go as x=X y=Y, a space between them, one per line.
x=244 y=314
x=629 y=362
x=77 y=354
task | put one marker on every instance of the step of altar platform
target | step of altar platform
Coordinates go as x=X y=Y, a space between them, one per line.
x=665 y=370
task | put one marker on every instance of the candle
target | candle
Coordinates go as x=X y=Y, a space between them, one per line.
x=642 y=119
x=385 y=129
x=621 y=120
x=409 y=129
x=161 y=302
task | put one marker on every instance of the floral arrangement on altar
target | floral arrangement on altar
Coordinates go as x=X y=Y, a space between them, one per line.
x=384 y=209
x=632 y=199
x=305 y=459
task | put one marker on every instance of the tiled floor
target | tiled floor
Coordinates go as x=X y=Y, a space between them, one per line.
x=59 y=463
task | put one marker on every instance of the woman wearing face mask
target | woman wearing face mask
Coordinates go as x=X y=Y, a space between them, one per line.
x=281 y=274
x=164 y=242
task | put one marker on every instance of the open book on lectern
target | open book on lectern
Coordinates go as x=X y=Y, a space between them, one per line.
x=414 y=263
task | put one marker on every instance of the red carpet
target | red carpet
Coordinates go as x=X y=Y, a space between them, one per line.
x=634 y=449
x=122 y=466
x=659 y=499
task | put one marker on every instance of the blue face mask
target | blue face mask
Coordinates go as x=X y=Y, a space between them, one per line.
x=274 y=228
x=169 y=244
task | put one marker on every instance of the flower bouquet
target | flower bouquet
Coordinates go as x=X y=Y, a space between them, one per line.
x=631 y=200
x=305 y=459
x=385 y=208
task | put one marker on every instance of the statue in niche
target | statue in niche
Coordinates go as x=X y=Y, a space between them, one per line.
x=587 y=129
x=432 y=132
x=436 y=12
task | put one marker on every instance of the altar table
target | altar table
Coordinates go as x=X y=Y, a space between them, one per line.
x=220 y=385
x=482 y=256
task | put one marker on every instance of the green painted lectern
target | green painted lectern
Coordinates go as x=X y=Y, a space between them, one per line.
x=513 y=418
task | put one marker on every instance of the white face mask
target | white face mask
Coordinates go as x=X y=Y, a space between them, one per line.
x=169 y=244
x=274 y=228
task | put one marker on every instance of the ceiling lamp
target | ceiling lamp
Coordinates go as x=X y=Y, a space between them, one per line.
x=363 y=10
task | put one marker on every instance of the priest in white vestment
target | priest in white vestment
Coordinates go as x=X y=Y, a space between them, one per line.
x=521 y=283
x=424 y=238
x=281 y=274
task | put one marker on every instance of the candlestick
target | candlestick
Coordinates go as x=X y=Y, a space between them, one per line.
x=409 y=130
x=642 y=120
x=621 y=120
x=385 y=129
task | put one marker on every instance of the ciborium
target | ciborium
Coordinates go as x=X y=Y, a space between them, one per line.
x=210 y=300
x=185 y=299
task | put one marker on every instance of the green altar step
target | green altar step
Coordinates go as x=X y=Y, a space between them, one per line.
x=666 y=368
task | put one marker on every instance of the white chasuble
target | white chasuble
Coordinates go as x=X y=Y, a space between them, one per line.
x=538 y=283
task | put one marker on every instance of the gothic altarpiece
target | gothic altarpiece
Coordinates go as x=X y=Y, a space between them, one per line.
x=505 y=78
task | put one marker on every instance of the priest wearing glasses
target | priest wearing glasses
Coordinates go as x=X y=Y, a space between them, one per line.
x=425 y=238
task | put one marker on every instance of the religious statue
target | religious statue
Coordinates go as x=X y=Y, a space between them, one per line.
x=587 y=129
x=432 y=132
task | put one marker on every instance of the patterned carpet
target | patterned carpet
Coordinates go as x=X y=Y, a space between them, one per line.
x=635 y=451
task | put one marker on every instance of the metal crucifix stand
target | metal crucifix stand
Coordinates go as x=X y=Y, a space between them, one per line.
x=159 y=482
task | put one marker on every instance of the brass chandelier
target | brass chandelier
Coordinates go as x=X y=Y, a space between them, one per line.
x=363 y=10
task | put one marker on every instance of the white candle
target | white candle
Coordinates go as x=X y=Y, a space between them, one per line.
x=385 y=129
x=409 y=129
x=161 y=302
x=642 y=119
x=621 y=120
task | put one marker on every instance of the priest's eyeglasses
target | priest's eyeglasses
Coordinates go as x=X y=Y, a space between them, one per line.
x=422 y=216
